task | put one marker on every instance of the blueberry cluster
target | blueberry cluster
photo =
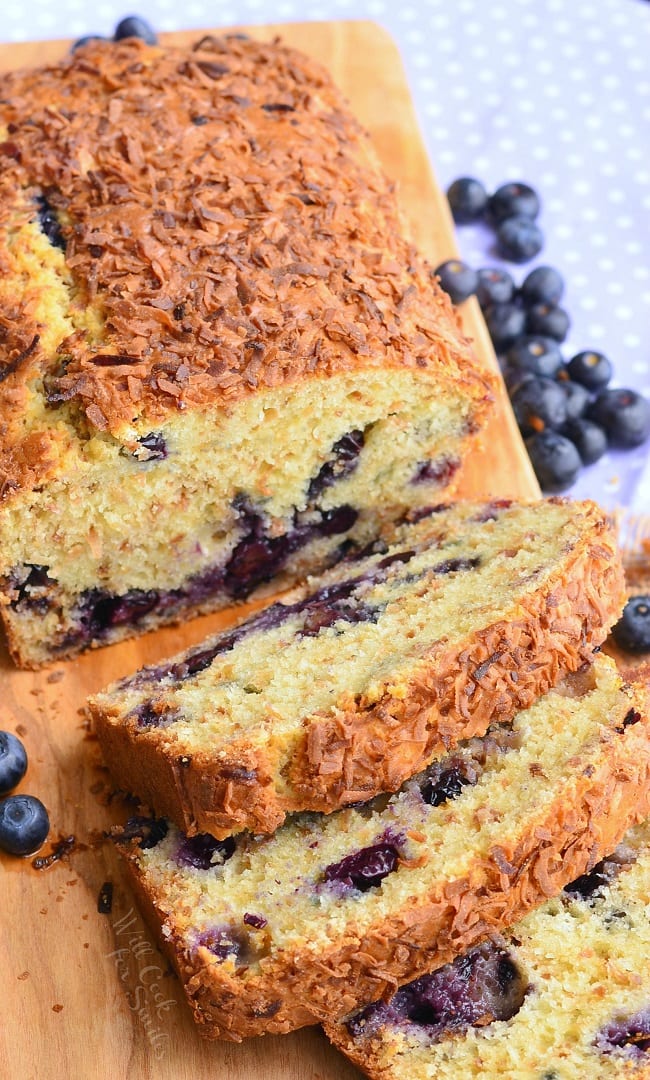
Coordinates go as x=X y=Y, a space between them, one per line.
x=512 y=210
x=565 y=410
x=24 y=823
x=131 y=26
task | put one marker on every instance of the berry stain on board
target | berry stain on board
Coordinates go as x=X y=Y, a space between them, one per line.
x=566 y=410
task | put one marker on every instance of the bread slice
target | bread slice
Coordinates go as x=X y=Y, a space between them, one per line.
x=272 y=933
x=350 y=685
x=220 y=357
x=563 y=994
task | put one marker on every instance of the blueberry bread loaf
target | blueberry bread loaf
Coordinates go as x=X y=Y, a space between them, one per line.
x=353 y=683
x=563 y=995
x=220 y=359
x=271 y=933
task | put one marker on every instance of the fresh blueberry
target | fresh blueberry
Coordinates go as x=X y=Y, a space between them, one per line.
x=134 y=26
x=544 y=285
x=555 y=460
x=577 y=399
x=519 y=239
x=13 y=762
x=590 y=368
x=505 y=323
x=625 y=416
x=457 y=279
x=548 y=319
x=84 y=41
x=494 y=286
x=589 y=439
x=513 y=199
x=632 y=631
x=24 y=824
x=535 y=353
x=467 y=200
x=539 y=403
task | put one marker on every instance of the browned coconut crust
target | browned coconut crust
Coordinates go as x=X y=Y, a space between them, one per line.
x=610 y=794
x=226 y=218
x=361 y=749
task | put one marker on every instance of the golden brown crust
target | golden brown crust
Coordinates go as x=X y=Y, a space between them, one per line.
x=570 y=837
x=352 y=754
x=227 y=223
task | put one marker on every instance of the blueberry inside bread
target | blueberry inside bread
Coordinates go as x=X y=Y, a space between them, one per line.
x=348 y=686
x=563 y=994
x=220 y=359
x=271 y=933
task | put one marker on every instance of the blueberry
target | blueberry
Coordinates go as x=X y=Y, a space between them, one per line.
x=505 y=323
x=632 y=631
x=548 y=319
x=590 y=368
x=625 y=416
x=519 y=239
x=577 y=399
x=626 y=1036
x=589 y=439
x=24 y=824
x=457 y=279
x=555 y=460
x=364 y=869
x=494 y=286
x=535 y=353
x=84 y=41
x=13 y=762
x=539 y=403
x=467 y=199
x=134 y=26
x=544 y=285
x=513 y=199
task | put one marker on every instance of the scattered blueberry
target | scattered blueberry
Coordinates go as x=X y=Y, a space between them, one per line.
x=135 y=26
x=555 y=460
x=513 y=199
x=457 y=279
x=632 y=631
x=495 y=286
x=543 y=285
x=467 y=199
x=519 y=238
x=24 y=824
x=539 y=403
x=590 y=368
x=505 y=323
x=537 y=354
x=625 y=416
x=577 y=399
x=548 y=319
x=588 y=438
x=13 y=762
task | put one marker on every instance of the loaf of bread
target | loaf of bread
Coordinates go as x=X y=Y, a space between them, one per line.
x=562 y=995
x=271 y=933
x=353 y=683
x=221 y=362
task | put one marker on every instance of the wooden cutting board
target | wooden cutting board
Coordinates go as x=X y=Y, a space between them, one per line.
x=87 y=995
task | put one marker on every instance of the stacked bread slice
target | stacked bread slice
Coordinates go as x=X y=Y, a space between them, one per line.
x=525 y=758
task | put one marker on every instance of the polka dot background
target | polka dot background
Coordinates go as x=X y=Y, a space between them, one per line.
x=553 y=92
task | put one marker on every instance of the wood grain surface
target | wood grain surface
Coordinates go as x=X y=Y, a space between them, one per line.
x=87 y=995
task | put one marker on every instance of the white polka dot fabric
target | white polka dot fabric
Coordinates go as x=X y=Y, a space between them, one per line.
x=554 y=92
